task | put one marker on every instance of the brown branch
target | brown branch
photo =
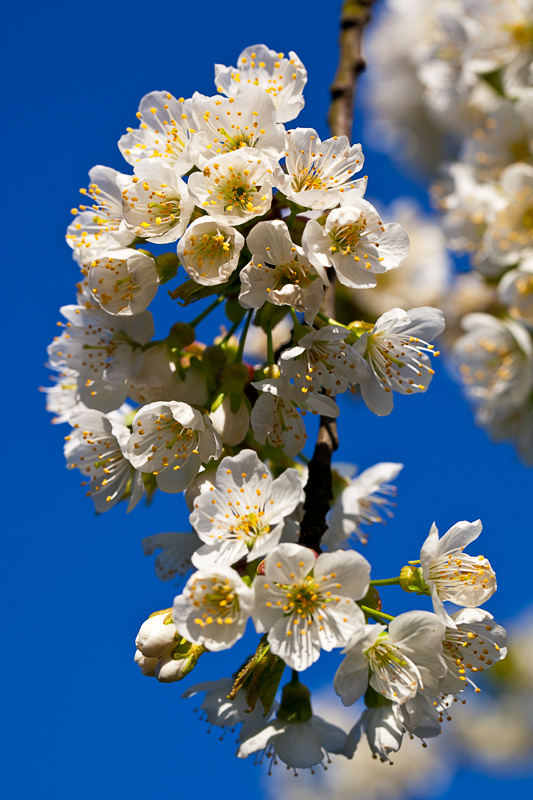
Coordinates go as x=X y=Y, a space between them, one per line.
x=355 y=15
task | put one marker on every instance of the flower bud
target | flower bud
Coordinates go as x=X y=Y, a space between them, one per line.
x=156 y=635
x=181 y=335
x=176 y=665
x=147 y=665
x=270 y=371
x=231 y=427
x=412 y=580
x=167 y=266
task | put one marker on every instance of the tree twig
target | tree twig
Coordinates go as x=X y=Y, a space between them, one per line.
x=355 y=15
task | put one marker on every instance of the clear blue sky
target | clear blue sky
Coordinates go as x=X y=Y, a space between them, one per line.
x=81 y=721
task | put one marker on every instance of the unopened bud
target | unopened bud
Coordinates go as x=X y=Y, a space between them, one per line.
x=181 y=335
x=156 y=636
x=412 y=580
x=167 y=266
x=270 y=371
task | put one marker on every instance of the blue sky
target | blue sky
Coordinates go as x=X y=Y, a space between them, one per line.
x=82 y=721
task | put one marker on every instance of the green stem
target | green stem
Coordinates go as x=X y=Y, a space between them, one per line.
x=371 y=612
x=386 y=582
x=231 y=331
x=330 y=321
x=244 y=334
x=303 y=458
x=295 y=678
x=270 y=347
x=293 y=315
x=196 y=321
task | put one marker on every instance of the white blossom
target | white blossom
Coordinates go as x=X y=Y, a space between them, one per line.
x=214 y=608
x=356 y=243
x=231 y=426
x=364 y=501
x=425 y=275
x=156 y=203
x=94 y=446
x=226 y=124
x=383 y=729
x=319 y=172
x=321 y=359
x=516 y=292
x=63 y=397
x=283 y=79
x=300 y=745
x=171 y=440
x=307 y=604
x=209 y=251
x=241 y=514
x=278 y=411
x=453 y=575
x=500 y=31
x=234 y=187
x=123 y=282
x=509 y=236
x=99 y=226
x=494 y=359
x=163 y=133
x=219 y=710
x=280 y=273
x=421 y=715
x=155 y=377
x=401 y=662
x=394 y=349
x=175 y=556
x=99 y=347
x=474 y=644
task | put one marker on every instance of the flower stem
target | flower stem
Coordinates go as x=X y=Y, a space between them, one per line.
x=371 y=612
x=196 y=321
x=386 y=582
x=295 y=678
x=244 y=334
x=270 y=347
x=330 y=321
x=231 y=331
x=293 y=315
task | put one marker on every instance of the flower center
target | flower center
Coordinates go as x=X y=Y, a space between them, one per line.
x=211 y=247
x=390 y=354
x=456 y=570
x=292 y=274
x=234 y=190
x=345 y=238
x=216 y=600
x=304 y=598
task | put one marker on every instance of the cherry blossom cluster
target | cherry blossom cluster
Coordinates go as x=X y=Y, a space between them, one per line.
x=461 y=81
x=266 y=220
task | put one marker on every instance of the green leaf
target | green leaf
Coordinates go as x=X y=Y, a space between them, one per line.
x=189 y=292
x=269 y=681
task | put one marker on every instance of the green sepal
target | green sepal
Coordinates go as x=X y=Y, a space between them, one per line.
x=234 y=311
x=219 y=399
x=374 y=699
x=189 y=292
x=167 y=266
x=412 y=580
x=494 y=80
x=157 y=613
x=295 y=703
x=269 y=315
x=371 y=599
